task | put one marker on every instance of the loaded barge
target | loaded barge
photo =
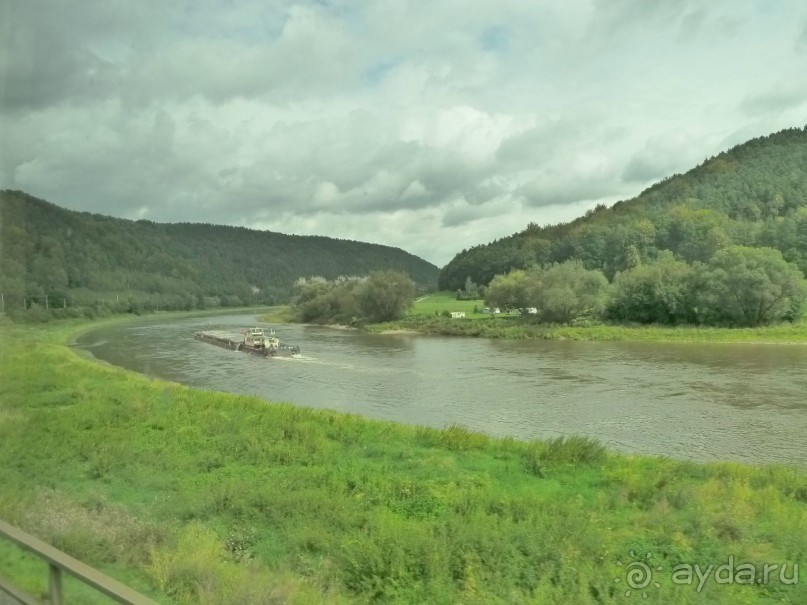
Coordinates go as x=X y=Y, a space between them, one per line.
x=253 y=340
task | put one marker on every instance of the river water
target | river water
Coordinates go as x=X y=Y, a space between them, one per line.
x=689 y=401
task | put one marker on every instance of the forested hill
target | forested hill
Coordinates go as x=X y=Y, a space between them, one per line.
x=752 y=195
x=81 y=258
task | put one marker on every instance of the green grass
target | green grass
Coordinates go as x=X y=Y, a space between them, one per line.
x=446 y=302
x=422 y=318
x=278 y=315
x=201 y=497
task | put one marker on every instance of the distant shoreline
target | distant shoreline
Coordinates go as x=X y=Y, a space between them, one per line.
x=517 y=328
x=514 y=329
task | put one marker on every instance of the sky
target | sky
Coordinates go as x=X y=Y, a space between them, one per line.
x=432 y=126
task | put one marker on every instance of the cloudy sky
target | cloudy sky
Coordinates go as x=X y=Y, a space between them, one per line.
x=430 y=125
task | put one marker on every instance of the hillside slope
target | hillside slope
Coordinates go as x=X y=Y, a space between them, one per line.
x=77 y=258
x=752 y=195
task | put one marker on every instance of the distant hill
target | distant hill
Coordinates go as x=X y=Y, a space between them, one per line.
x=755 y=194
x=78 y=258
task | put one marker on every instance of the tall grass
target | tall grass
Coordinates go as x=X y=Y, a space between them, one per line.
x=200 y=497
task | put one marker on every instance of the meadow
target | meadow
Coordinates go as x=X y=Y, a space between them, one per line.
x=199 y=497
x=428 y=316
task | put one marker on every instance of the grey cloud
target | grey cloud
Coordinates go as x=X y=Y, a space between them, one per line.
x=486 y=190
x=461 y=214
x=536 y=145
x=38 y=66
x=615 y=16
x=552 y=191
x=801 y=41
x=787 y=97
x=642 y=169
x=684 y=21
x=629 y=12
x=662 y=155
x=53 y=51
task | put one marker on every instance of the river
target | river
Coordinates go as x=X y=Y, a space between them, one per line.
x=701 y=402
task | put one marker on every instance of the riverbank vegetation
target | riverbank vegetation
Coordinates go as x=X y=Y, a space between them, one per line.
x=739 y=286
x=380 y=296
x=201 y=497
x=516 y=328
x=432 y=315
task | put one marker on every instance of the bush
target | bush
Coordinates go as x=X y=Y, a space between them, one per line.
x=749 y=287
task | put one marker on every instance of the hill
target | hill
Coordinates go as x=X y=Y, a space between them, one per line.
x=754 y=194
x=86 y=260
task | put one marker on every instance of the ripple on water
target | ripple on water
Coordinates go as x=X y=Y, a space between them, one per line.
x=739 y=402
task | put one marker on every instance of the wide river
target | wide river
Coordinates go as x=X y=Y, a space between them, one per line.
x=691 y=401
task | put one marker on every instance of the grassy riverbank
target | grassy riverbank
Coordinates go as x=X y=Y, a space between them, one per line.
x=200 y=497
x=426 y=317
x=514 y=327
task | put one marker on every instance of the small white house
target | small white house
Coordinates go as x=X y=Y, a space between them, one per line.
x=457 y=314
x=532 y=310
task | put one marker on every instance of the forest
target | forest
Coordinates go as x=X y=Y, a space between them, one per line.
x=725 y=243
x=56 y=262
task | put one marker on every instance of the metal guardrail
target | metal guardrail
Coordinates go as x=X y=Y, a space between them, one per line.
x=59 y=562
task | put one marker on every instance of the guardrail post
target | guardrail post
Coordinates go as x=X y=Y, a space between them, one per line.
x=56 y=594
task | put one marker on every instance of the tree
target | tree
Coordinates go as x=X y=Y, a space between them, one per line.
x=696 y=234
x=750 y=287
x=516 y=290
x=659 y=292
x=569 y=291
x=322 y=301
x=385 y=295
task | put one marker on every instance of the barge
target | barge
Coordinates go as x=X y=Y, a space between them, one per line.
x=253 y=340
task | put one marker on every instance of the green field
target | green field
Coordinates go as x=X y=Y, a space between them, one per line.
x=426 y=316
x=200 y=497
x=446 y=302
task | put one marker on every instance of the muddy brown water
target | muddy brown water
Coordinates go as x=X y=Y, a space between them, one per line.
x=704 y=402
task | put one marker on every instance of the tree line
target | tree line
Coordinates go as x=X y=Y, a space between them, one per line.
x=738 y=286
x=56 y=262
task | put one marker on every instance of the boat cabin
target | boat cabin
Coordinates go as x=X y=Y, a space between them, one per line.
x=258 y=338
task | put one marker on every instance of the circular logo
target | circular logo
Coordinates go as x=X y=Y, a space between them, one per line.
x=638 y=575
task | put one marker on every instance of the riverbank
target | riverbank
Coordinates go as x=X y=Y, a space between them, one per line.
x=201 y=497
x=428 y=316
x=516 y=327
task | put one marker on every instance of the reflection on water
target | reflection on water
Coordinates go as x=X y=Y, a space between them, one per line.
x=699 y=401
